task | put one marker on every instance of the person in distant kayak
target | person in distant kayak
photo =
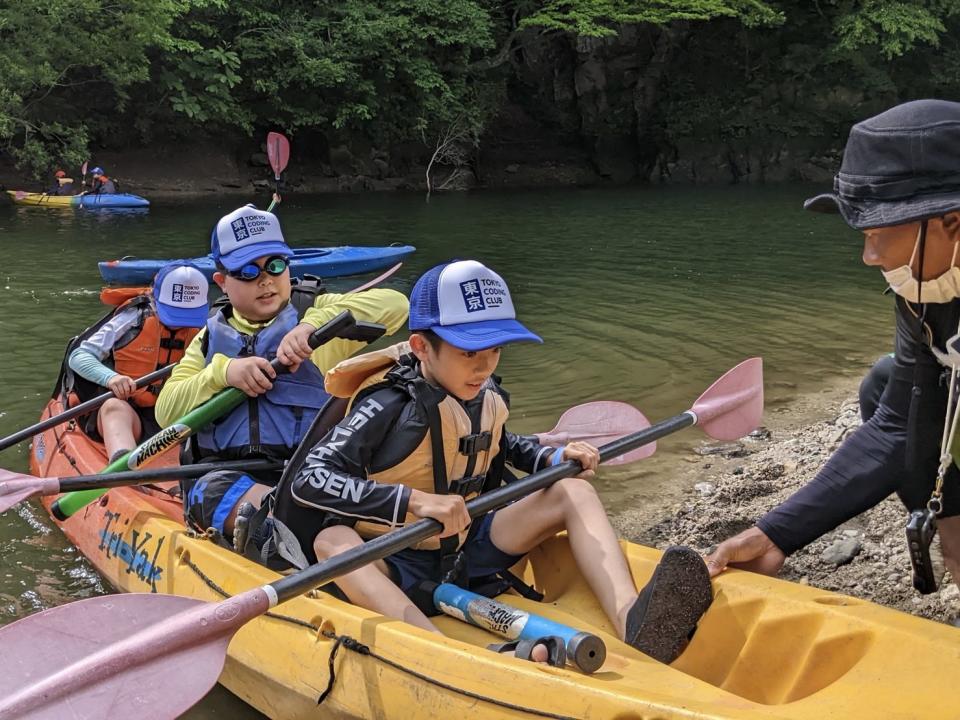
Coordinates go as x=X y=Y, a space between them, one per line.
x=425 y=433
x=898 y=184
x=102 y=185
x=145 y=333
x=61 y=185
x=235 y=349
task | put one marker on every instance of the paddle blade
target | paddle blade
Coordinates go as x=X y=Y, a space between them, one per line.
x=83 y=168
x=599 y=423
x=114 y=656
x=377 y=280
x=278 y=151
x=17 y=487
x=733 y=405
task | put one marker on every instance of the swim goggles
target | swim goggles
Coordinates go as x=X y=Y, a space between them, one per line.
x=275 y=265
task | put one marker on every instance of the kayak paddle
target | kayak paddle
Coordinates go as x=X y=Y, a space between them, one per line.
x=278 y=151
x=81 y=409
x=113 y=656
x=598 y=423
x=17 y=487
x=83 y=173
x=342 y=326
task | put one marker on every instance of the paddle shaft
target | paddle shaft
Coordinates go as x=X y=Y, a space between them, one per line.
x=140 y=477
x=192 y=422
x=289 y=587
x=81 y=409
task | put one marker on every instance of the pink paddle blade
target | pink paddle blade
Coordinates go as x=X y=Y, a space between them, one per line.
x=278 y=151
x=377 y=280
x=733 y=405
x=83 y=168
x=113 y=657
x=599 y=423
x=17 y=487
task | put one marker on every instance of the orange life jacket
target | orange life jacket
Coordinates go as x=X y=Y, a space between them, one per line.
x=148 y=346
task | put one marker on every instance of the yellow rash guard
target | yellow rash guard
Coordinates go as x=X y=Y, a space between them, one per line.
x=193 y=381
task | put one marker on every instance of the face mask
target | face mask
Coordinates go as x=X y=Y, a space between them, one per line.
x=941 y=289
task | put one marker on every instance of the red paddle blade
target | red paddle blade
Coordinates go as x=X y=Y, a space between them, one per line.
x=599 y=423
x=17 y=487
x=278 y=151
x=113 y=657
x=733 y=405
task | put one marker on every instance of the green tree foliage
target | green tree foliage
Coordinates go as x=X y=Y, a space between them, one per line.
x=65 y=65
x=81 y=71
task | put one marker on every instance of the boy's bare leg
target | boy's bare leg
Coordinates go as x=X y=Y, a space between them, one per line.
x=118 y=425
x=572 y=504
x=369 y=587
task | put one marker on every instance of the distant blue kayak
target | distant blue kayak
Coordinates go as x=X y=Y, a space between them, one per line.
x=87 y=202
x=322 y=262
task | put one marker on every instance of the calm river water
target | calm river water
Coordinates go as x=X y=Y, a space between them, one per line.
x=642 y=295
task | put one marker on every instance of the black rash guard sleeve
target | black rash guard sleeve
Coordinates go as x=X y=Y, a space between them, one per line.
x=333 y=476
x=525 y=453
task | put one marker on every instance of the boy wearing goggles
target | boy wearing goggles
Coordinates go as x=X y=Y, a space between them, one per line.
x=235 y=349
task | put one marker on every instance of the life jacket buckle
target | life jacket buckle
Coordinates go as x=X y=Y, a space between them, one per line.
x=468 y=485
x=476 y=443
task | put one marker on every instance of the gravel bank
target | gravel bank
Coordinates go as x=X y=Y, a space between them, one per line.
x=735 y=483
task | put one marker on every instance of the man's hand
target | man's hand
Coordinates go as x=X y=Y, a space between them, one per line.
x=253 y=375
x=586 y=454
x=294 y=348
x=750 y=550
x=451 y=510
x=121 y=386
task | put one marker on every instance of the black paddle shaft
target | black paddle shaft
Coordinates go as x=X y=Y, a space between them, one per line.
x=343 y=326
x=77 y=411
x=385 y=545
x=141 y=477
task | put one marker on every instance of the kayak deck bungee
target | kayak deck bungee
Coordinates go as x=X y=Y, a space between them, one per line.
x=322 y=262
x=765 y=649
x=86 y=202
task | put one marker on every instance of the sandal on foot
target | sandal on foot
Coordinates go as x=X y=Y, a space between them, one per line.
x=523 y=649
x=669 y=607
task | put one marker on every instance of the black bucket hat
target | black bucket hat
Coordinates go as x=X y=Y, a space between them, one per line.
x=900 y=166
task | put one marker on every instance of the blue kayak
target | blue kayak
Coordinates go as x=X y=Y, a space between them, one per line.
x=87 y=202
x=321 y=262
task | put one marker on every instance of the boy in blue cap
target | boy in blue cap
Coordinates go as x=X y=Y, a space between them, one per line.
x=425 y=433
x=235 y=349
x=144 y=334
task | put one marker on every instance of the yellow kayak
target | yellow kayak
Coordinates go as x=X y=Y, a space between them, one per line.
x=765 y=649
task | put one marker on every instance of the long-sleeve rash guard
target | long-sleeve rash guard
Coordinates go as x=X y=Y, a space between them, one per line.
x=383 y=428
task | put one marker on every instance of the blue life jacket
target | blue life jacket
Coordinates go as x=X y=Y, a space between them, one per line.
x=272 y=424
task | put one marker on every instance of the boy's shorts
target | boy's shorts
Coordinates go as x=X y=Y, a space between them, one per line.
x=482 y=560
x=209 y=500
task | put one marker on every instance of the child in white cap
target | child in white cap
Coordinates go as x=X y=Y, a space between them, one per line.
x=145 y=333
x=425 y=433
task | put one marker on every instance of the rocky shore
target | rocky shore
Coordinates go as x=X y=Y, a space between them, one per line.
x=735 y=483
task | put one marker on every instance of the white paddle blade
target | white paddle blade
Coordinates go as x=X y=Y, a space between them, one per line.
x=599 y=423
x=733 y=405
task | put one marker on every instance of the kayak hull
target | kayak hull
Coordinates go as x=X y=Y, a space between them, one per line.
x=86 y=202
x=765 y=649
x=320 y=262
